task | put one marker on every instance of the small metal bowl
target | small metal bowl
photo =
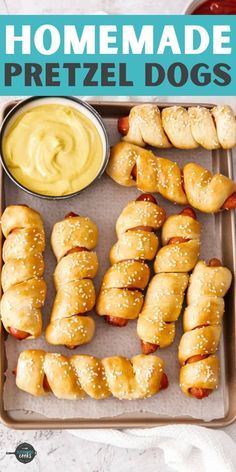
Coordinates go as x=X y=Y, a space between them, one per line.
x=74 y=102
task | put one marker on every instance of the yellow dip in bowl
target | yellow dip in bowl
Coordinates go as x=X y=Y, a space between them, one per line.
x=53 y=149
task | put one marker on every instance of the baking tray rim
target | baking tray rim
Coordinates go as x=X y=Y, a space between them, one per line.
x=118 y=421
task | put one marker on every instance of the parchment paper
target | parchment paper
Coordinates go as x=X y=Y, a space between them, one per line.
x=103 y=202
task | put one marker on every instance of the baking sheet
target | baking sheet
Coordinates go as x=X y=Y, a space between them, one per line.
x=103 y=202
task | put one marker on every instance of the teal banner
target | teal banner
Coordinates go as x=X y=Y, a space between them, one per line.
x=117 y=55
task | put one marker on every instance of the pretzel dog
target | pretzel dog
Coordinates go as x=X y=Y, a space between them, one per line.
x=181 y=127
x=72 y=241
x=132 y=165
x=199 y=372
x=72 y=378
x=165 y=293
x=23 y=286
x=121 y=295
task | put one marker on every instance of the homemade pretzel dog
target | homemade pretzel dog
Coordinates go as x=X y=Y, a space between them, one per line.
x=199 y=374
x=165 y=293
x=72 y=242
x=121 y=295
x=183 y=128
x=21 y=278
x=131 y=165
x=72 y=378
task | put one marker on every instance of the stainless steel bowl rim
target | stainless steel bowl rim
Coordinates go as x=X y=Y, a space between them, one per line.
x=21 y=104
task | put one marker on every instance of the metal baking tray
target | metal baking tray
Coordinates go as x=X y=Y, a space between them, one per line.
x=226 y=229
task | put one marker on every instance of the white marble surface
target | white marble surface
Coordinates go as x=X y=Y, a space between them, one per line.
x=60 y=450
x=47 y=7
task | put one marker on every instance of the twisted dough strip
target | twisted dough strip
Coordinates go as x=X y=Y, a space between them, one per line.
x=165 y=294
x=21 y=278
x=181 y=127
x=131 y=165
x=121 y=298
x=72 y=240
x=39 y=373
x=199 y=373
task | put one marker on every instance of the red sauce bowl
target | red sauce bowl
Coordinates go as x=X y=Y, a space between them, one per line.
x=212 y=7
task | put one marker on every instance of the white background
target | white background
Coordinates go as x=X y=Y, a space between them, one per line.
x=59 y=451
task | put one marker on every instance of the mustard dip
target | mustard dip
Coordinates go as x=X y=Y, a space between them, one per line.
x=53 y=150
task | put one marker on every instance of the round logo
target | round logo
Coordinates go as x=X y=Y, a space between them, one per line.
x=25 y=453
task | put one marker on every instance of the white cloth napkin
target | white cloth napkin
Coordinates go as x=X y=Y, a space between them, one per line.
x=186 y=448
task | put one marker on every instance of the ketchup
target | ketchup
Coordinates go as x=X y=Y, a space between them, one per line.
x=218 y=7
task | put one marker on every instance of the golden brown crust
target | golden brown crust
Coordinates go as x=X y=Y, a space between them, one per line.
x=208 y=281
x=197 y=186
x=184 y=128
x=176 y=124
x=205 y=191
x=21 y=242
x=162 y=307
x=181 y=225
x=225 y=124
x=121 y=294
x=80 y=375
x=153 y=174
x=15 y=271
x=202 y=328
x=20 y=217
x=121 y=303
x=145 y=127
x=21 y=278
x=71 y=331
x=130 y=274
x=73 y=298
x=203 y=127
x=135 y=245
x=200 y=340
x=180 y=257
x=140 y=213
x=206 y=311
x=203 y=374
x=165 y=294
x=76 y=266
x=71 y=240
x=77 y=231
